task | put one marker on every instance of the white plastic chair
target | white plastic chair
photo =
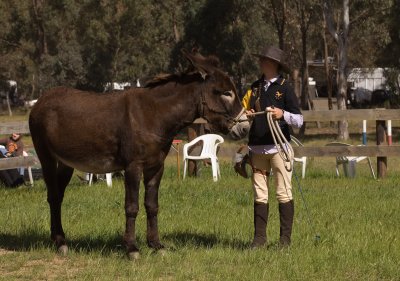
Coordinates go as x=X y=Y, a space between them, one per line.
x=209 y=151
x=24 y=153
x=302 y=160
x=349 y=162
x=108 y=179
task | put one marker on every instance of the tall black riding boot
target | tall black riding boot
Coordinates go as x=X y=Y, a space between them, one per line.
x=260 y=224
x=286 y=213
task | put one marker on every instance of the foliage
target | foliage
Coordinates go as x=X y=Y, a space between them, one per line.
x=87 y=43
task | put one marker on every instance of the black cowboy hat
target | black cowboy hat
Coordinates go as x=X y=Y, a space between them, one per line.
x=275 y=54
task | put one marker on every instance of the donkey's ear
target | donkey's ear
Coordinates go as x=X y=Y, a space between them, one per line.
x=198 y=62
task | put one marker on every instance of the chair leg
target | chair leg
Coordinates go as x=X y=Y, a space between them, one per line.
x=303 y=169
x=30 y=175
x=346 y=169
x=218 y=170
x=337 y=169
x=90 y=179
x=352 y=169
x=109 y=179
x=372 y=169
x=214 y=168
x=184 y=168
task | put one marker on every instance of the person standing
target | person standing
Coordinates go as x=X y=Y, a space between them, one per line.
x=271 y=91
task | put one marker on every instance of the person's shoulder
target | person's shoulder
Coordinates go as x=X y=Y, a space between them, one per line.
x=284 y=84
x=282 y=81
x=256 y=83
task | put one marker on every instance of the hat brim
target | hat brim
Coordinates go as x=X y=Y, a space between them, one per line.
x=284 y=66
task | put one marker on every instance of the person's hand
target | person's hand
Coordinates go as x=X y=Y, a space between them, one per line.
x=250 y=117
x=277 y=113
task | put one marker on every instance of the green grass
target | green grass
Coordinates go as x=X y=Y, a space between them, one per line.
x=207 y=227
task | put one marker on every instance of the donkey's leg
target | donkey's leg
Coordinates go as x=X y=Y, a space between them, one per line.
x=64 y=174
x=51 y=175
x=152 y=178
x=132 y=182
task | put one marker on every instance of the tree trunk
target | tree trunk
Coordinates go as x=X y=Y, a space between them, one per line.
x=304 y=72
x=42 y=40
x=343 y=131
x=279 y=14
x=8 y=104
x=341 y=38
x=327 y=68
x=33 y=87
x=177 y=36
x=296 y=83
x=328 y=75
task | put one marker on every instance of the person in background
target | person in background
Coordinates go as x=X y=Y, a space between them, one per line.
x=13 y=147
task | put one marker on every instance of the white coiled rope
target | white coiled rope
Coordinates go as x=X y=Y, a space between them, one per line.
x=285 y=149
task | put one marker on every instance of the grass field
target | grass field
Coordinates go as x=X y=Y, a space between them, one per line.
x=207 y=227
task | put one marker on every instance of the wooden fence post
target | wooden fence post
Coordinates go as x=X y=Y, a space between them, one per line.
x=380 y=140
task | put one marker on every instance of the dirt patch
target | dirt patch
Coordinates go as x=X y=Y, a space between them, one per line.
x=5 y=252
x=45 y=269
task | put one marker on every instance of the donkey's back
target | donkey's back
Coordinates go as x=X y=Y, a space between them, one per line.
x=84 y=130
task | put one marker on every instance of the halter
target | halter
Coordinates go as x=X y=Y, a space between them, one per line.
x=204 y=104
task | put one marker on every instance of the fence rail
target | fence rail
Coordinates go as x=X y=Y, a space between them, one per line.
x=7 y=128
x=351 y=114
x=16 y=162
x=339 y=115
x=334 y=151
x=381 y=151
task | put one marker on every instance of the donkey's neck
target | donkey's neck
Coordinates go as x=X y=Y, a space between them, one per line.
x=178 y=104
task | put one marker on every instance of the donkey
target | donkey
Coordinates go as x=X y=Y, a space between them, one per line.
x=132 y=131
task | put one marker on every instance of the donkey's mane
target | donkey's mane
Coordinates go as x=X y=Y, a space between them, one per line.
x=162 y=78
x=187 y=76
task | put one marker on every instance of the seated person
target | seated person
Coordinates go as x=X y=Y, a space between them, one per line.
x=13 y=146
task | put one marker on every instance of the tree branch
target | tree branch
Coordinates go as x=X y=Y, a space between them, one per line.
x=368 y=13
x=330 y=24
x=10 y=43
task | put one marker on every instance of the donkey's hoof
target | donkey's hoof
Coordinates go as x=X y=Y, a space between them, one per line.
x=162 y=252
x=133 y=256
x=63 y=250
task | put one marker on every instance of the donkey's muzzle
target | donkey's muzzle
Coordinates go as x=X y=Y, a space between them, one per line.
x=240 y=129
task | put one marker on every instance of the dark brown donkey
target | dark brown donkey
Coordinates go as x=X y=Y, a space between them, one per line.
x=131 y=131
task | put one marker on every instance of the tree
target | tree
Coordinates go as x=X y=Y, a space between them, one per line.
x=231 y=30
x=390 y=55
x=279 y=15
x=340 y=36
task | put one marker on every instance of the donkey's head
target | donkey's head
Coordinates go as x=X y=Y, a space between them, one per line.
x=219 y=103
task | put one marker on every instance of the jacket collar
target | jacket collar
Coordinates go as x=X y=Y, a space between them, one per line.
x=279 y=80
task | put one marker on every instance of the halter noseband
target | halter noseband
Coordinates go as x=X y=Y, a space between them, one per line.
x=204 y=104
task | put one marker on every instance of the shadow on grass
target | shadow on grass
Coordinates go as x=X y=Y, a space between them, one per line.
x=109 y=244
x=31 y=239
x=203 y=240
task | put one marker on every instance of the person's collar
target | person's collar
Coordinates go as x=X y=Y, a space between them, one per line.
x=270 y=81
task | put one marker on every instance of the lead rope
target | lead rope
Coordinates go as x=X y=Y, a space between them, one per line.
x=285 y=149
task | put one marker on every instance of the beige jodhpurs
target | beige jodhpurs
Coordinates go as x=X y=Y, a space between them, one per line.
x=262 y=164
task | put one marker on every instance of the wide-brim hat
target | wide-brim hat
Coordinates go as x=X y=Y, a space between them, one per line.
x=275 y=54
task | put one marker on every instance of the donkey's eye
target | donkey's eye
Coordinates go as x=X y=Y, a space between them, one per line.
x=227 y=93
